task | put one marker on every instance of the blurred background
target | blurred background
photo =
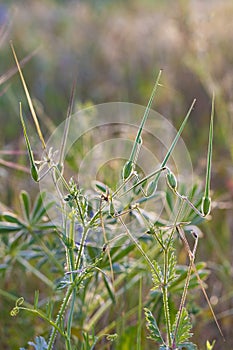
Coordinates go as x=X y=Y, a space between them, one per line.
x=116 y=48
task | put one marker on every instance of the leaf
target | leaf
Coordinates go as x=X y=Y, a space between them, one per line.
x=157 y=276
x=9 y=217
x=152 y=327
x=25 y=204
x=109 y=287
x=40 y=343
x=38 y=209
x=182 y=331
x=36 y=299
x=7 y=227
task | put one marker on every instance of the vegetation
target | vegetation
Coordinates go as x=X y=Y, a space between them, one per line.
x=140 y=282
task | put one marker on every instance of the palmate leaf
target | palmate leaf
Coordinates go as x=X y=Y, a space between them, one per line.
x=182 y=332
x=40 y=344
x=152 y=327
x=157 y=276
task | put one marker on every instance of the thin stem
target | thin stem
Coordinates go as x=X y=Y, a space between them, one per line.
x=165 y=298
x=45 y=318
x=59 y=316
x=191 y=255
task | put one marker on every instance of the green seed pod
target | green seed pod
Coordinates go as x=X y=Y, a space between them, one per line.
x=127 y=170
x=151 y=188
x=171 y=180
x=34 y=173
x=206 y=205
x=111 y=209
x=101 y=187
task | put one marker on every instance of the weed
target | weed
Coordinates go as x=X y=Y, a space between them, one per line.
x=98 y=212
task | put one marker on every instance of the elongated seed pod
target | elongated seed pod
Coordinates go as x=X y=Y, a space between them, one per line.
x=101 y=187
x=206 y=205
x=34 y=173
x=171 y=180
x=128 y=169
x=151 y=188
x=111 y=209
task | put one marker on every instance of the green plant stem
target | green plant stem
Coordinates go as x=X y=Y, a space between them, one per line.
x=45 y=318
x=70 y=252
x=165 y=298
x=59 y=316
x=84 y=236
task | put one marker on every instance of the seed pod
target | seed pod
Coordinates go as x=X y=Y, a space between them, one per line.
x=111 y=209
x=151 y=188
x=34 y=173
x=127 y=170
x=101 y=187
x=171 y=180
x=206 y=206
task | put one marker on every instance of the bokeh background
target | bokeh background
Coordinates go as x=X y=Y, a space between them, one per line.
x=115 y=48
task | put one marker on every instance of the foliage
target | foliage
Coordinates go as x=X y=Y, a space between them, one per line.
x=33 y=251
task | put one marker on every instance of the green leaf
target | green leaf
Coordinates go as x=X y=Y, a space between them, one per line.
x=109 y=288
x=38 y=208
x=7 y=227
x=9 y=217
x=152 y=327
x=182 y=331
x=40 y=344
x=157 y=276
x=25 y=204
x=36 y=299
